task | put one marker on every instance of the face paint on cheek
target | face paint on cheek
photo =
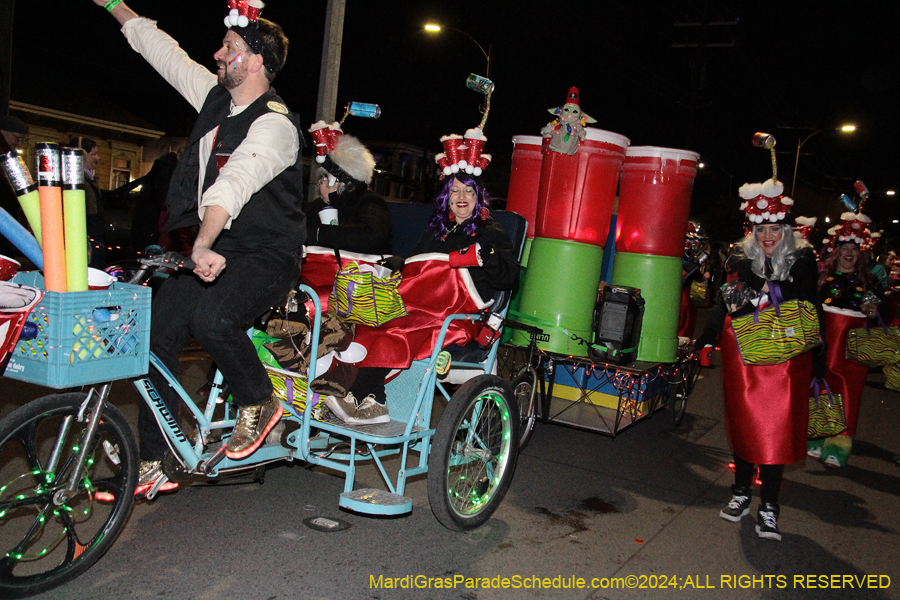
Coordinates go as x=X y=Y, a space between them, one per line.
x=235 y=59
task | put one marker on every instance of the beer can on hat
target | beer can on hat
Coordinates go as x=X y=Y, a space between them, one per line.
x=861 y=189
x=361 y=109
x=763 y=140
x=49 y=171
x=72 y=168
x=17 y=173
x=479 y=84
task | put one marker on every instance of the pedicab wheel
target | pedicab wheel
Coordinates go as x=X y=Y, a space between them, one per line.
x=523 y=391
x=473 y=453
x=691 y=368
x=678 y=395
x=48 y=537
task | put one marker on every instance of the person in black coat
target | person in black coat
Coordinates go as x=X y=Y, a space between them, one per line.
x=363 y=222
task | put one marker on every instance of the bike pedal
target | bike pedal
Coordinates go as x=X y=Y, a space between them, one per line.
x=442 y=365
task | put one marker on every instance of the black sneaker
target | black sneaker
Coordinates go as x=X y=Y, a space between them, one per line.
x=739 y=505
x=767 y=522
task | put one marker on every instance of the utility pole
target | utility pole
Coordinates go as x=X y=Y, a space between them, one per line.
x=6 y=33
x=331 y=61
x=329 y=72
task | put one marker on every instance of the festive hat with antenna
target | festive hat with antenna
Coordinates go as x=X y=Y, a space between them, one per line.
x=464 y=152
x=765 y=202
x=343 y=157
x=854 y=227
x=243 y=19
x=325 y=136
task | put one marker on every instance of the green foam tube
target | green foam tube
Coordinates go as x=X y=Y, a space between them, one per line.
x=74 y=219
x=75 y=223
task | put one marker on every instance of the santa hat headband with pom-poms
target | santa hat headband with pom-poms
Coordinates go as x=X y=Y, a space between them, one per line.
x=243 y=19
x=854 y=227
x=463 y=153
x=805 y=226
x=765 y=202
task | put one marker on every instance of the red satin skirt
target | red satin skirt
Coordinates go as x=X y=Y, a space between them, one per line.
x=843 y=376
x=687 y=314
x=766 y=407
x=431 y=291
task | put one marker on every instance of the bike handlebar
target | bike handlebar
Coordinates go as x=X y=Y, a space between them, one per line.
x=168 y=260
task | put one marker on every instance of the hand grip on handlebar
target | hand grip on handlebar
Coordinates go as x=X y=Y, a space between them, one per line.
x=171 y=260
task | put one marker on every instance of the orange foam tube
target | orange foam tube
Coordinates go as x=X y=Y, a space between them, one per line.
x=54 y=249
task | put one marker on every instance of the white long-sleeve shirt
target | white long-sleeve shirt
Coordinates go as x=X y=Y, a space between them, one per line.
x=271 y=145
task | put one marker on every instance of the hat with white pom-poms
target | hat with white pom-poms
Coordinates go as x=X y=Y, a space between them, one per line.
x=765 y=202
x=243 y=19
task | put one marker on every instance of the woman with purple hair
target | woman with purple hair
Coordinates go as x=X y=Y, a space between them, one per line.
x=462 y=228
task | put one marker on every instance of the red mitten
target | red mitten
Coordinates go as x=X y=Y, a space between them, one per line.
x=466 y=257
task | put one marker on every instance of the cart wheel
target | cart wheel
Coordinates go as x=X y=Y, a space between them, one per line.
x=691 y=368
x=523 y=388
x=473 y=453
x=49 y=536
x=678 y=396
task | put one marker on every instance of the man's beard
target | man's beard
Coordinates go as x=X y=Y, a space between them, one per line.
x=231 y=80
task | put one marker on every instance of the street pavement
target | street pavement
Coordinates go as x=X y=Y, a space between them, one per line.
x=638 y=510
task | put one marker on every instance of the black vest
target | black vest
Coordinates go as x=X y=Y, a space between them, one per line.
x=273 y=217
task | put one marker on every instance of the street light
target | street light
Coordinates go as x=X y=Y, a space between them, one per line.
x=435 y=28
x=730 y=177
x=844 y=128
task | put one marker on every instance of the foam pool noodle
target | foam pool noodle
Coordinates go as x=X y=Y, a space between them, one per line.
x=26 y=191
x=50 y=193
x=74 y=219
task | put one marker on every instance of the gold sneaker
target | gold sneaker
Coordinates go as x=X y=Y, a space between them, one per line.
x=369 y=413
x=150 y=471
x=252 y=426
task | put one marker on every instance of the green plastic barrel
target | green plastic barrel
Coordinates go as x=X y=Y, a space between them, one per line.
x=559 y=293
x=659 y=279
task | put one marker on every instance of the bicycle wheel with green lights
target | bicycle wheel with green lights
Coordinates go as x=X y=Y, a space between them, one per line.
x=51 y=531
x=473 y=453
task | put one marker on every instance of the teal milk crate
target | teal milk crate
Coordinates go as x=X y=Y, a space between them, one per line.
x=84 y=337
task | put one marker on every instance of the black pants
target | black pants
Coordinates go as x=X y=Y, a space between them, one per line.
x=217 y=315
x=769 y=476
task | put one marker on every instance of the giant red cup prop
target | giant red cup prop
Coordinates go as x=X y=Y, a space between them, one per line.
x=525 y=178
x=655 y=200
x=577 y=193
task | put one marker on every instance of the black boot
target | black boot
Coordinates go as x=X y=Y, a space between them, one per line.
x=767 y=521
x=738 y=506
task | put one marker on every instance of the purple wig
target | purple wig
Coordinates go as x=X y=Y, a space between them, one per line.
x=440 y=223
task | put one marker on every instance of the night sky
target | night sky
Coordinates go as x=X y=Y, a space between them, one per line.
x=786 y=68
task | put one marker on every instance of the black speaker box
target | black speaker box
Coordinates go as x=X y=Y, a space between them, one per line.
x=617 y=325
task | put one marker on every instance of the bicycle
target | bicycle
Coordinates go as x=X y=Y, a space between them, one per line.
x=70 y=461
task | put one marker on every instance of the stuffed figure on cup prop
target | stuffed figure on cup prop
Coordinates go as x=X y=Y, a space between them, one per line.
x=566 y=131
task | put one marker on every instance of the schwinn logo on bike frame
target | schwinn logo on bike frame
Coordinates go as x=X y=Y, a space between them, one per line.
x=163 y=410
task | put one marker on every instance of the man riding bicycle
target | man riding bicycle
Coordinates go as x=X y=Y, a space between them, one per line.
x=240 y=179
